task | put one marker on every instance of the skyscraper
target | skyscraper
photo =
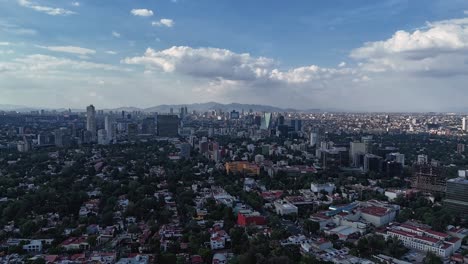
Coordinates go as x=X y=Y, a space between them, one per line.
x=457 y=195
x=265 y=121
x=464 y=128
x=91 y=121
x=168 y=125
x=109 y=127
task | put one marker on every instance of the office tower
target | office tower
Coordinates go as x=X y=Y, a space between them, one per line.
x=456 y=198
x=61 y=137
x=149 y=125
x=428 y=178
x=185 y=150
x=109 y=126
x=368 y=142
x=355 y=150
x=397 y=157
x=281 y=120
x=313 y=139
x=296 y=124
x=464 y=124
x=265 y=121
x=132 y=130
x=235 y=114
x=258 y=120
x=91 y=121
x=168 y=125
x=372 y=163
x=102 y=137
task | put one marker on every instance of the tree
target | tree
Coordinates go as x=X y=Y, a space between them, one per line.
x=432 y=258
x=311 y=226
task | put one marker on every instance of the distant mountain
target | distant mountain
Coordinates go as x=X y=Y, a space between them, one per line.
x=165 y=108
x=202 y=107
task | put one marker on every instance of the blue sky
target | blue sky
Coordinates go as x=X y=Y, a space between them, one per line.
x=305 y=54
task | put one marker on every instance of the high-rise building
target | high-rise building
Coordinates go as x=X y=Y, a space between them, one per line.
x=91 y=121
x=149 y=125
x=398 y=157
x=234 y=114
x=132 y=130
x=265 y=121
x=464 y=124
x=102 y=137
x=456 y=198
x=313 y=139
x=109 y=126
x=356 y=149
x=296 y=124
x=372 y=163
x=428 y=178
x=168 y=125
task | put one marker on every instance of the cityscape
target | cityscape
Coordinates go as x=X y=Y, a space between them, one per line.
x=240 y=186
x=233 y=132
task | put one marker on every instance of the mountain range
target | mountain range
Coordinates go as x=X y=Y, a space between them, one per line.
x=165 y=108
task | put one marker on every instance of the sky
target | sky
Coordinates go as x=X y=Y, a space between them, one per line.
x=360 y=55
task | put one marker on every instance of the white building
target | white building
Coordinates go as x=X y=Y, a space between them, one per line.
x=33 y=246
x=313 y=139
x=422 y=239
x=328 y=187
x=285 y=208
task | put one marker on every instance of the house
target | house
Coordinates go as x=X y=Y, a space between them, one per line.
x=75 y=243
x=249 y=217
x=218 y=239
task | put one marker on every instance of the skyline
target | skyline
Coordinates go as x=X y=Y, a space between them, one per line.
x=362 y=56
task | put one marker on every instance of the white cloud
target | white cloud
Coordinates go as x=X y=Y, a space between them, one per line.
x=142 y=12
x=53 y=11
x=111 y=52
x=163 y=22
x=6 y=52
x=116 y=34
x=69 y=49
x=5 y=43
x=15 y=29
x=204 y=62
x=441 y=48
x=76 y=4
x=342 y=64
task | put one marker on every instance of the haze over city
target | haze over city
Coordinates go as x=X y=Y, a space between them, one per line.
x=394 y=55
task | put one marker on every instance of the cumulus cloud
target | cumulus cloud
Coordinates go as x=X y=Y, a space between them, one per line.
x=5 y=43
x=164 y=22
x=116 y=34
x=53 y=11
x=438 y=49
x=70 y=49
x=142 y=12
x=204 y=62
x=75 y=3
x=111 y=52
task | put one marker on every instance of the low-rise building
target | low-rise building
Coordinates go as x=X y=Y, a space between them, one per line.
x=283 y=207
